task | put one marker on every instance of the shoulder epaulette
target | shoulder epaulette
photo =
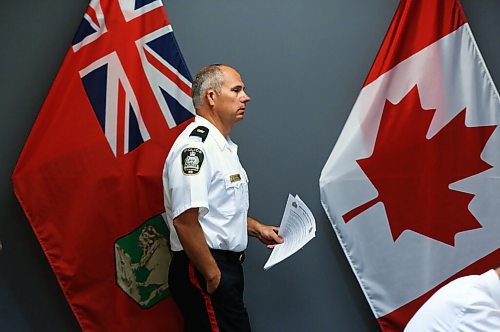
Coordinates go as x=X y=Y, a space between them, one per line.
x=201 y=132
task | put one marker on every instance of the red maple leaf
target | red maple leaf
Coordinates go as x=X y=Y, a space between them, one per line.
x=412 y=174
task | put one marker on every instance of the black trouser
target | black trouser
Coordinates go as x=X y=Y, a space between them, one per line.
x=223 y=310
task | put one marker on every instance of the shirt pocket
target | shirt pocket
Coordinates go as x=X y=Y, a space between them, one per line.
x=236 y=184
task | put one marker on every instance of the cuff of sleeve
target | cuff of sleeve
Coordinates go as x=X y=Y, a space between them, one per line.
x=203 y=206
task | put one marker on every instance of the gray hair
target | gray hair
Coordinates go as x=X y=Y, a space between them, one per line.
x=209 y=77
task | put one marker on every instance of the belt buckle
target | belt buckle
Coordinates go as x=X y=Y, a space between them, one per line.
x=241 y=257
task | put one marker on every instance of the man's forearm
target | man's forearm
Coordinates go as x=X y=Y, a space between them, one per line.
x=253 y=227
x=193 y=241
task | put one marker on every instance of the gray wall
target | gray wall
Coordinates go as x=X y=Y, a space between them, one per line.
x=303 y=62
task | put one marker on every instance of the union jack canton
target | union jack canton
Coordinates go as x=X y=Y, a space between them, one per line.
x=112 y=50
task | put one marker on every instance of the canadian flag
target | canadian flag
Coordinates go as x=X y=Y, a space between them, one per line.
x=412 y=186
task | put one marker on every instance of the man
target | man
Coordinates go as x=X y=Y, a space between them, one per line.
x=206 y=203
x=470 y=303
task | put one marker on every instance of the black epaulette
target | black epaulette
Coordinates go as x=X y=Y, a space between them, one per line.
x=201 y=132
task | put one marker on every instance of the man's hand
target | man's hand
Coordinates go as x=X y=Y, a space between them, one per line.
x=266 y=234
x=213 y=283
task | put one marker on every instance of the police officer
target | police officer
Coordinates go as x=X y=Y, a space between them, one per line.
x=206 y=203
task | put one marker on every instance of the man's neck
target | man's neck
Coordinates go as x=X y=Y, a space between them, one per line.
x=213 y=119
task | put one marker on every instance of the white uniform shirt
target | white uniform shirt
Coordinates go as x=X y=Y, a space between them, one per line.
x=207 y=175
x=470 y=303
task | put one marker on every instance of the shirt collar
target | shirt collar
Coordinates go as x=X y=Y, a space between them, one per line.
x=221 y=141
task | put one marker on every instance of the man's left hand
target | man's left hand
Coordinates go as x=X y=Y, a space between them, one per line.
x=269 y=236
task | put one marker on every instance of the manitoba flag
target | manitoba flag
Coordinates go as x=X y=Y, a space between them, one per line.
x=89 y=176
x=412 y=185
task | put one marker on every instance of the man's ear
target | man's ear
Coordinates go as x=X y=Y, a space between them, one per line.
x=211 y=97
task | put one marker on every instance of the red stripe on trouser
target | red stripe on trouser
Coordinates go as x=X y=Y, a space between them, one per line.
x=206 y=297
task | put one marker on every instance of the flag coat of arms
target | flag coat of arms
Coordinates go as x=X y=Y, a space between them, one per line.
x=89 y=175
x=412 y=185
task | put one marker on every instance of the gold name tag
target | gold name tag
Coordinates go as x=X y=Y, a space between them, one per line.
x=234 y=178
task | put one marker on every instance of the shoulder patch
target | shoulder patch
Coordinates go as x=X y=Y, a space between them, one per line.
x=192 y=159
x=201 y=132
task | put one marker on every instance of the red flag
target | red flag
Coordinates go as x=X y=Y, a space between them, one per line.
x=89 y=176
x=411 y=186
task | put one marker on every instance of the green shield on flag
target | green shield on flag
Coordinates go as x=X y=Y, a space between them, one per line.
x=142 y=259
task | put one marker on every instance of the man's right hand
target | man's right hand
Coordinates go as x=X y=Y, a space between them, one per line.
x=213 y=283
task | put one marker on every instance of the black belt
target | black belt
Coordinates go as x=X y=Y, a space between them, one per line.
x=228 y=256
x=220 y=255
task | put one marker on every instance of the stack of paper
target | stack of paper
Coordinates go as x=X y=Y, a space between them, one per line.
x=298 y=227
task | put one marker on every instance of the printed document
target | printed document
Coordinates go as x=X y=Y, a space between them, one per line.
x=298 y=227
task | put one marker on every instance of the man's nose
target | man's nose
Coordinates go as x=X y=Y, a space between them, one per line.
x=246 y=98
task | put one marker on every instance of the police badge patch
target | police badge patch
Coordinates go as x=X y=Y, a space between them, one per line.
x=192 y=159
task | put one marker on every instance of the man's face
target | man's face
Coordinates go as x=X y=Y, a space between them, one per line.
x=230 y=104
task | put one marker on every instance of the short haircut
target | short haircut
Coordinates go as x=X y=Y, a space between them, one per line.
x=209 y=77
